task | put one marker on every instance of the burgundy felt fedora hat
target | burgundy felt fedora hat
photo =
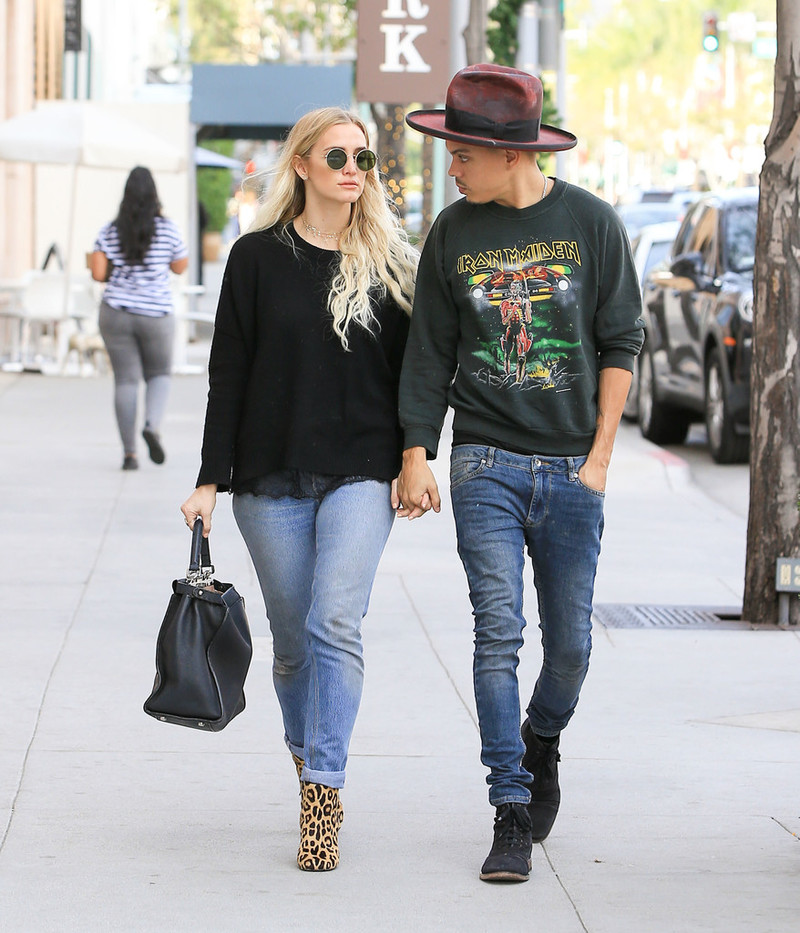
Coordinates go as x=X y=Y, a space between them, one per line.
x=493 y=106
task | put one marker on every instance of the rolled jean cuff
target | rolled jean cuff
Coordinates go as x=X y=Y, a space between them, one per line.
x=328 y=778
x=509 y=798
x=297 y=750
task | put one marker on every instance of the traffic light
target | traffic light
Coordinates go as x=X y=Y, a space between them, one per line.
x=710 y=32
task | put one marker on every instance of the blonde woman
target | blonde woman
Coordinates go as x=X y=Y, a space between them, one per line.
x=302 y=427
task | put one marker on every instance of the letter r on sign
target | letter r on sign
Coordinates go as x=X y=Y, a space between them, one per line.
x=416 y=9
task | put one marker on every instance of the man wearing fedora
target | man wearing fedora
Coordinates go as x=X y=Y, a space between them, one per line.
x=533 y=268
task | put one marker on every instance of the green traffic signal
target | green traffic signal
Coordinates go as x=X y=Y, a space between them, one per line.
x=710 y=32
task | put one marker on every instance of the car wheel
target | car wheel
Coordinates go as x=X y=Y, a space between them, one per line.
x=658 y=422
x=725 y=444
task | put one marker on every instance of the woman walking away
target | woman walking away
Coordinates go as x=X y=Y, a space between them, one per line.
x=302 y=427
x=134 y=255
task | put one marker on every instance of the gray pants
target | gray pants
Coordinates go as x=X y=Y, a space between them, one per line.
x=139 y=347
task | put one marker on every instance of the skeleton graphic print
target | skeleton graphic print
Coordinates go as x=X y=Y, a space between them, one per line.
x=525 y=300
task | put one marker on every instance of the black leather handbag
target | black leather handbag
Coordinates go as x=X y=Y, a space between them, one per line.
x=203 y=649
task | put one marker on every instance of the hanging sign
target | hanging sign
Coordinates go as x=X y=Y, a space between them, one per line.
x=403 y=51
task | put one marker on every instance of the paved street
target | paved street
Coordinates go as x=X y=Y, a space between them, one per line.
x=728 y=484
x=679 y=774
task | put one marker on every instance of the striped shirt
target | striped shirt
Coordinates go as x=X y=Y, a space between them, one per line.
x=144 y=288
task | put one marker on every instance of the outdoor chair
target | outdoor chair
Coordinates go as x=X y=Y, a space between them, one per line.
x=47 y=314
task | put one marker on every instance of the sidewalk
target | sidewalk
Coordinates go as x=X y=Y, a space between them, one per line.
x=680 y=769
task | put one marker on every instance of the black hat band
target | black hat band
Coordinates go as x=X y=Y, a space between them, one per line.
x=474 y=124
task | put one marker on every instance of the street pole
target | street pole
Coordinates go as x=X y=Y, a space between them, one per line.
x=446 y=192
x=561 y=92
x=528 y=38
x=459 y=18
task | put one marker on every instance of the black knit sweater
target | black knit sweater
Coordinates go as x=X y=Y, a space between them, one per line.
x=283 y=392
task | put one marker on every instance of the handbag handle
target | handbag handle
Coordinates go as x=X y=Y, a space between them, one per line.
x=201 y=570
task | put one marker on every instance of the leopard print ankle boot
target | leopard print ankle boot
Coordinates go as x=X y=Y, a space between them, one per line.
x=320 y=819
x=339 y=810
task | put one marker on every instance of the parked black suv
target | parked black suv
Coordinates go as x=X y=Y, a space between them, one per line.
x=698 y=312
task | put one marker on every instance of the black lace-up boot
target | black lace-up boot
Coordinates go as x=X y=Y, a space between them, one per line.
x=541 y=760
x=510 y=857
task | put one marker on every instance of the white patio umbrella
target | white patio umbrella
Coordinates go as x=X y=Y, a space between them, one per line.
x=83 y=133
x=207 y=158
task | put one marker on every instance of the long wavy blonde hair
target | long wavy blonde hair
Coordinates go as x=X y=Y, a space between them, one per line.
x=376 y=256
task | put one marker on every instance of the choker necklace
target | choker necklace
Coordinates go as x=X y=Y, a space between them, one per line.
x=318 y=233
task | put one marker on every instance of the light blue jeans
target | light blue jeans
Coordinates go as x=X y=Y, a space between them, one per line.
x=316 y=562
x=504 y=503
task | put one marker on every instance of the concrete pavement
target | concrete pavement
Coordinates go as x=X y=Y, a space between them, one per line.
x=680 y=769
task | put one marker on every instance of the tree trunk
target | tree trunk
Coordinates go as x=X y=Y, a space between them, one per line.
x=774 y=522
x=475 y=33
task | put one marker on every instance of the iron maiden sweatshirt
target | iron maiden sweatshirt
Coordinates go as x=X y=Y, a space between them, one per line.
x=515 y=314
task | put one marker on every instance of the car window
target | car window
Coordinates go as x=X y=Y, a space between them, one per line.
x=636 y=216
x=704 y=238
x=657 y=252
x=740 y=237
x=656 y=196
x=686 y=232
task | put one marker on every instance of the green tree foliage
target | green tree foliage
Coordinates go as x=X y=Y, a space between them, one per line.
x=638 y=73
x=332 y=24
x=502 y=36
x=215 y=31
x=255 y=31
x=214 y=186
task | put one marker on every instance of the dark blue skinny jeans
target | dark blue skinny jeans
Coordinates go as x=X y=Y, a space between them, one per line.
x=504 y=503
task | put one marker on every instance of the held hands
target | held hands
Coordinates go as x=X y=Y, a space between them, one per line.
x=415 y=492
x=201 y=502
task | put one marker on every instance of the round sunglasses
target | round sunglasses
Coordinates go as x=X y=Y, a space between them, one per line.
x=337 y=159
